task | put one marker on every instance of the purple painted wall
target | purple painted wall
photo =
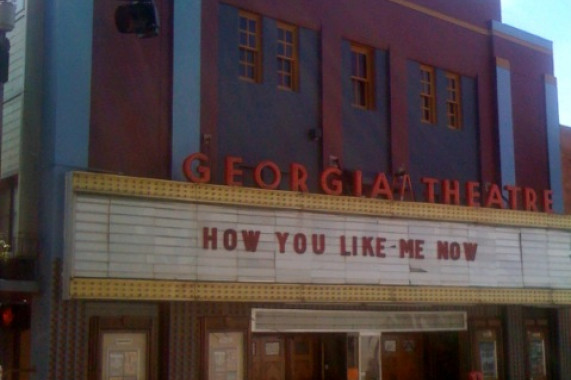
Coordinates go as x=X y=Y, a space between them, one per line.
x=528 y=68
x=478 y=12
x=130 y=97
x=130 y=125
x=404 y=32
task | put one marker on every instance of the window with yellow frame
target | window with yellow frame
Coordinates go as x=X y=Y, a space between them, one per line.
x=250 y=61
x=287 y=58
x=362 y=77
x=427 y=95
x=453 y=107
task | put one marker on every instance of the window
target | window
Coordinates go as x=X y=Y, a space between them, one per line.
x=362 y=76
x=453 y=100
x=287 y=57
x=427 y=95
x=250 y=47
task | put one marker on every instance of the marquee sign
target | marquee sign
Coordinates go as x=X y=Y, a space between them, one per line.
x=333 y=181
x=118 y=237
x=371 y=246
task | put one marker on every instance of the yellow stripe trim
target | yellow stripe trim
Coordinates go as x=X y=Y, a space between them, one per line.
x=149 y=188
x=467 y=25
x=150 y=290
x=442 y=16
x=523 y=43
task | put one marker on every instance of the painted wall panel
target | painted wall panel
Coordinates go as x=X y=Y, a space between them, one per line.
x=435 y=149
x=130 y=126
x=553 y=144
x=259 y=121
x=365 y=137
x=529 y=64
x=565 y=146
x=187 y=27
x=505 y=125
x=135 y=239
x=405 y=33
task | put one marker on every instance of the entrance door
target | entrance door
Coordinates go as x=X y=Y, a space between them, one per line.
x=268 y=357
x=286 y=357
x=303 y=358
x=402 y=356
x=334 y=353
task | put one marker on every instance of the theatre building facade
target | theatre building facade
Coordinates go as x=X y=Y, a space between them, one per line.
x=249 y=189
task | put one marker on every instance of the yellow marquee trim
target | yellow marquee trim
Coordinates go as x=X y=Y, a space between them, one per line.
x=155 y=290
x=149 y=188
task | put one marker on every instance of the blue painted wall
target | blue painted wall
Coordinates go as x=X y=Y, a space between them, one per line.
x=65 y=111
x=258 y=121
x=366 y=131
x=505 y=125
x=436 y=150
x=187 y=27
x=554 y=144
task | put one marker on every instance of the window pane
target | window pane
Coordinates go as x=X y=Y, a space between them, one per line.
x=359 y=91
x=353 y=64
x=287 y=62
x=362 y=65
x=361 y=77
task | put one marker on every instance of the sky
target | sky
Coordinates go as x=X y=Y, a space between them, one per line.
x=550 y=19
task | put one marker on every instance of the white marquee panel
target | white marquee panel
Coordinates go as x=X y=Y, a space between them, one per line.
x=114 y=237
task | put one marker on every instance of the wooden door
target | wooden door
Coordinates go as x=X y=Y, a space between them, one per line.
x=268 y=358
x=334 y=351
x=402 y=356
x=441 y=355
x=302 y=358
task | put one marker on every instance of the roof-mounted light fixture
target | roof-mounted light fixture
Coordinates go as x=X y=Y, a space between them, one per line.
x=138 y=17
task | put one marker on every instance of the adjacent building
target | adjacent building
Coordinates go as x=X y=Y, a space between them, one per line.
x=249 y=189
